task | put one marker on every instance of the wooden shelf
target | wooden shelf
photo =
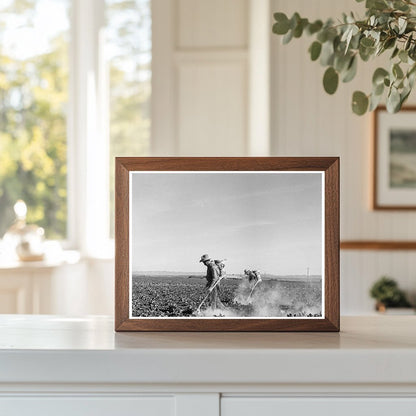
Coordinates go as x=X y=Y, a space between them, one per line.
x=378 y=245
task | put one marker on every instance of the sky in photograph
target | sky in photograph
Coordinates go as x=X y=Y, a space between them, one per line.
x=270 y=222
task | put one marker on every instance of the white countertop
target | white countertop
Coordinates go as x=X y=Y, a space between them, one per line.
x=53 y=349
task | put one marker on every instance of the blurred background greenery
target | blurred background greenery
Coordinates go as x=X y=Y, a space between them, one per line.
x=34 y=91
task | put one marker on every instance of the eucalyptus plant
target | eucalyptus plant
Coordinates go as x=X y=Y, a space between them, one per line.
x=389 y=27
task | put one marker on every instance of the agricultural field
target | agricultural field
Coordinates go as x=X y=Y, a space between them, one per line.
x=180 y=296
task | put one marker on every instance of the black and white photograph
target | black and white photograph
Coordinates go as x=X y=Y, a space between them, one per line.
x=394 y=159
x=227 y=244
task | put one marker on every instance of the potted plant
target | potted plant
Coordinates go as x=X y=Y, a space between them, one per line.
x=387 y=294
x=389 y=27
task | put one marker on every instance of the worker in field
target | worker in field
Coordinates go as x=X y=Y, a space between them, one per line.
x=254 y=278
x=215 y=272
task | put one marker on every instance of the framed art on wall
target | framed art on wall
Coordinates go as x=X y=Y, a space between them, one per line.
x=227 y=244
x=394 y=183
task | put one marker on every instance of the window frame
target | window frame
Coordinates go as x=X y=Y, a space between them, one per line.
x=88 y=133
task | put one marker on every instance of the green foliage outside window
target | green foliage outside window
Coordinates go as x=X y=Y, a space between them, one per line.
x=34 y=104
x=33 y=99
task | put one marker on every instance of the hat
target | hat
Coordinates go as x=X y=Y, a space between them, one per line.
x=205 y=257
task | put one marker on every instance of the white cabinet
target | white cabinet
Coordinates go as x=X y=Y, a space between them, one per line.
x=202 y=405
x=40 y=287
x=88 y=406
x=272 y=406
x=67 y=285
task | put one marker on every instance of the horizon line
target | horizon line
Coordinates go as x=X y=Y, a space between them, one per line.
x=227 y=273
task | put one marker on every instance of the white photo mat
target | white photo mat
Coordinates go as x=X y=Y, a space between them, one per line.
x=133 y=235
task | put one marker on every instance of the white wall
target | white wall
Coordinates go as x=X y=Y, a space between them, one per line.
x=308 y=122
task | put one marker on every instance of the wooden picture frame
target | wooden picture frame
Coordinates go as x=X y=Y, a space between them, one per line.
x=394 y=146
x=131 y=176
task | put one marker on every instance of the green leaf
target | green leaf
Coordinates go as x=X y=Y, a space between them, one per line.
x=399 y=85
x=403 y=56
x=336 y=42
x=412 y=70
x=400 y=5
x=408 y=42
x=351 y=71
x=394 y=26
x=322 y=36
x=359 y=103
x=298 y=30
x=374 y=102
x=378 y=89
x=350 y=18
x=366 y=53
x=395 y=52
x=412 y=52
x=382 y=19
x=281 y=27
x=315 y=50
x=366 y=48
x=332 y=33
x=341 y=61
x=330 y=80
x=376 y=4
x=393 y=101
x=389 y=43
x=367 y=42
x=348 y=34
x=403 y=96
x=327 y=53
x=402 y=24
x=379 y=75
x=314 y=27
x=355 y=41
x=288 y=37
x=294 y=20
x=375 y=34
x=411 y=76
x=397 y=71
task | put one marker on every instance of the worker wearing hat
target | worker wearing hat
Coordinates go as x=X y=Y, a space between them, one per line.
x=213 y=277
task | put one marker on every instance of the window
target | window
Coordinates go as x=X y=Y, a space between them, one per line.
x=75 y=87
x=33 y=98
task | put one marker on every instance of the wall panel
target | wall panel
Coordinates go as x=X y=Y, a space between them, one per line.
x=212 y=108
x=212 y=24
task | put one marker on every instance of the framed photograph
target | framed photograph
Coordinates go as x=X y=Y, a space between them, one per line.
x=394 y=180
x=227 y=244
